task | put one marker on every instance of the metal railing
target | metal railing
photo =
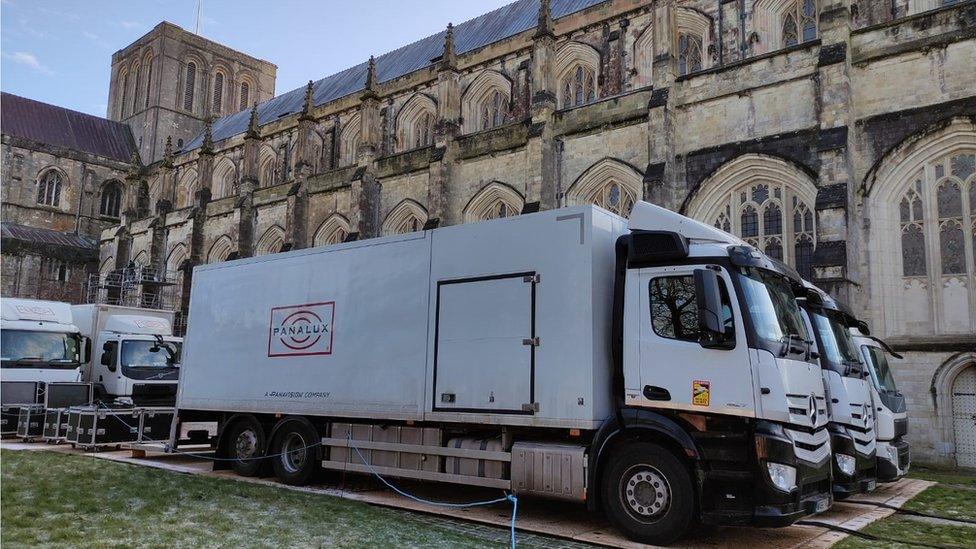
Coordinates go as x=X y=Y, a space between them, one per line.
x=135 y=286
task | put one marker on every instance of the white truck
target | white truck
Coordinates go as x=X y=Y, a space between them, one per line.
x=133 y=354
x=38 y=341
x=890 y=411
x=659 y=370
x=848 y=390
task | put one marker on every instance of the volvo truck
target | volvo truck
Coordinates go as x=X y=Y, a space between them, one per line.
x=848 y=392
x=890 y=410
x=658 y=369
x=38 y=341
x=133 y=355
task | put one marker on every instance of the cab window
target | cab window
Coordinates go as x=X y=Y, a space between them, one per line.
x=674 y=308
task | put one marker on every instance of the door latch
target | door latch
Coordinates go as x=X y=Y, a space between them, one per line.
x=530 y=407
x=531 y=341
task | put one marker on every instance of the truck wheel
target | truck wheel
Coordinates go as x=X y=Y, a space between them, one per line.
x=647 y=493
x=245 y=445
x=294 y=453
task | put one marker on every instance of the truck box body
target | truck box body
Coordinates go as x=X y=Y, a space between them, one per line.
x=93 y=318
x=502 y=322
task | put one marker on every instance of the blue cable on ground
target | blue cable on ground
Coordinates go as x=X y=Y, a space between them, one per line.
x=508 y=497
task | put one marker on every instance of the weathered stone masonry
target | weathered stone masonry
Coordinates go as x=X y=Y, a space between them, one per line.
x=799 y=125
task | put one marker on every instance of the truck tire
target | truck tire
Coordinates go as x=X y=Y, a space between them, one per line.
x=245 y=445
x=647 y=493
x=294 y=452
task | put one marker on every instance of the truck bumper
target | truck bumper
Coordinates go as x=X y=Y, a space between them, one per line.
x=759 y=501
x=894 y=459
x=863 y=478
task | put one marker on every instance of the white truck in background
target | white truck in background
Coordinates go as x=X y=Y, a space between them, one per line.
x=848 y=391
x=890 y=410
x=38 y=341
x=133 y=355
x=658 y=369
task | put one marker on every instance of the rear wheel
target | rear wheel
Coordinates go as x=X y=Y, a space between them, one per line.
x=648 y=494
x=246 y=445
x=294 y=453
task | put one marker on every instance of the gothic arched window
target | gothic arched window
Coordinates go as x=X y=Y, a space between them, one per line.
x=407 y=217
x=137 y=73
x=808 y=20
x=766 y=202
x=111 y=201
x=218 y=93
x=689 y=53
x=245 y=95
x=189 y=85
x=790 y=34
x=125 y=94
x=578 y=87
x=49 y=189
x=423 y=136
x=952 y=208
x=148 y=64
x=493 y=110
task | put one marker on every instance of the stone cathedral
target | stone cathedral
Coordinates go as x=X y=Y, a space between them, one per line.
x=837 y=135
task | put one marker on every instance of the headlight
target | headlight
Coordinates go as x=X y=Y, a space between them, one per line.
x=893 y=454
x=846 y=464
x=782 y=476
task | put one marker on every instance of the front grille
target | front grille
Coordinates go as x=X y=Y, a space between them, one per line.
x=903 y=457
x=901 y=427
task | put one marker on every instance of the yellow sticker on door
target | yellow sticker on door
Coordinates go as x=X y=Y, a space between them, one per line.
x=700 y=392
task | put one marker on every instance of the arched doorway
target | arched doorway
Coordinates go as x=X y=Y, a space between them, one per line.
x=964 y=416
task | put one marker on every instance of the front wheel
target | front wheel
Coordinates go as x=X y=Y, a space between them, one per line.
x=246 y=446
x=648 y=494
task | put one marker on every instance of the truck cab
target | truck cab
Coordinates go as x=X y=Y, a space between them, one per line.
x=890 y=411
x=713 y=339
x=135 y=357
x=38 y=341
x=848 y=393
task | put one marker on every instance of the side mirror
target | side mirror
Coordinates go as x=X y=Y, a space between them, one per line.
x=108 y=355
x=709 y=298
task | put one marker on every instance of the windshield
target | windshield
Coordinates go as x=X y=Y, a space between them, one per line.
x=28 y=346
x=833 y=337
x=880 y=371
x=149 y=354
x=772 y=306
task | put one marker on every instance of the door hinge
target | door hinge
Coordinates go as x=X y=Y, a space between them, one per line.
x=530 y=407
x=532 y=278
x=531 y=342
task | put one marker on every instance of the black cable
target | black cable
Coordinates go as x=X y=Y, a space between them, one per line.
x=865 y=535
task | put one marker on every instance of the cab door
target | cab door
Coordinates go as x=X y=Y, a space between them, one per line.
x=676 y=371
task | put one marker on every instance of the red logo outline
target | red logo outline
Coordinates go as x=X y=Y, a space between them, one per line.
x=301 y=347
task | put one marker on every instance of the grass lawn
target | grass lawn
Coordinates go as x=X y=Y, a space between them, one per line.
x=52 y=499
x=953 y=497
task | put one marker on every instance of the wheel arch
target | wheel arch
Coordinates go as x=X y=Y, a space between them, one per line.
x=638 y=425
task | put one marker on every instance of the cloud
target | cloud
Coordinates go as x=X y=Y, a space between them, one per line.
x=95 y=39
x=130 y=24
x=28 y=60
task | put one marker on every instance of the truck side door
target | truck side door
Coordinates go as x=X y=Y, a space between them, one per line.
x=676 y=371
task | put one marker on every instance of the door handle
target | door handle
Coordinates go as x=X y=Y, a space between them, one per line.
x=653 y=392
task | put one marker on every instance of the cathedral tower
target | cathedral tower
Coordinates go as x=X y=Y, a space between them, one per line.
x=168 y=82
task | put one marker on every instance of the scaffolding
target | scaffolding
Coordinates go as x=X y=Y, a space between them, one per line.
x=135 y=286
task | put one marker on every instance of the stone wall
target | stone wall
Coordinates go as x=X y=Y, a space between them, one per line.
x=812 y=128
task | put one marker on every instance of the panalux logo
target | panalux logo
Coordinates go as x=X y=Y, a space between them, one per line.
x=301 y=330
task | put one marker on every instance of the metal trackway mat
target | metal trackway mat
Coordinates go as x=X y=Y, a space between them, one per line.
x=569 y=523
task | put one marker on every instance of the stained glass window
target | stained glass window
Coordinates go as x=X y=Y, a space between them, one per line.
x=689 y=53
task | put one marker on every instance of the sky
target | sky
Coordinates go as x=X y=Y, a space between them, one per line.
x=60 y=51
